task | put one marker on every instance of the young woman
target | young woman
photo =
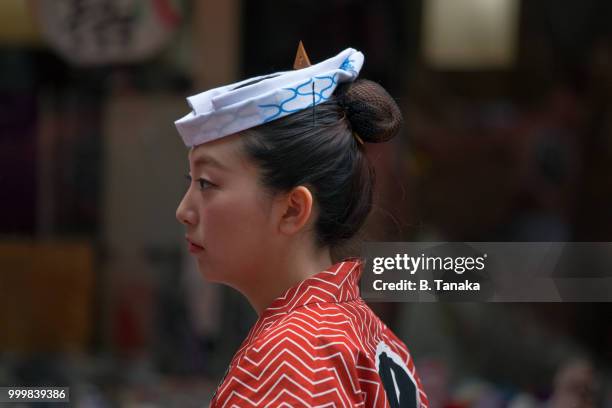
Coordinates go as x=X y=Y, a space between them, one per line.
x=279 y=178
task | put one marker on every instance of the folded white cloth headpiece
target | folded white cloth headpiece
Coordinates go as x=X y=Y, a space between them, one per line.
x=229 y=109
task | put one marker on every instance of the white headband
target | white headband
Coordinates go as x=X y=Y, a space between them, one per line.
x=229 y=109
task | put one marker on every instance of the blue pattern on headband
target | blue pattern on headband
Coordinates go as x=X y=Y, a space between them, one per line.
x=331 y=84
x=319 y=97
x=281 y=107
x=347 y=65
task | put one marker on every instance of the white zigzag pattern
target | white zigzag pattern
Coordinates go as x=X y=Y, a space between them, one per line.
x=284 y=297
x=294 y=299
x=320 y=329
x=377 y=389
x=282 y=377
x=306 y=355
x=295 y=370
x=287 y=330
x=358 y=334
x=312 y=370
x=317 y=321
x=350 y=335
x=342 y=344
x=283 y=364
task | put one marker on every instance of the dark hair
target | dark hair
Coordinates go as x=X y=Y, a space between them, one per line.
x=316 y=148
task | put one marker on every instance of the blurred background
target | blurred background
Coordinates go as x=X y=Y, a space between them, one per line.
x=507 y=137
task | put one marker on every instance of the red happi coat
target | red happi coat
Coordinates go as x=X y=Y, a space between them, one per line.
x=320 y=345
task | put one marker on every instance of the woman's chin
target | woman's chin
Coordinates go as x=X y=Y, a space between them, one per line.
x=208 y=274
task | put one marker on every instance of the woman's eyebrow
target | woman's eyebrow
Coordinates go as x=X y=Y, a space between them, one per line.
x=203 y=160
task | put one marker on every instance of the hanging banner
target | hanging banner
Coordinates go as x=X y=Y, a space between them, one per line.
x=99 y=32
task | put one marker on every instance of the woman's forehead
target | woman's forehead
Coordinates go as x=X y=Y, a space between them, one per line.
x=225 y=153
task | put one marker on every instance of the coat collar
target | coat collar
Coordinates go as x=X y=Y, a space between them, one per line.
x=338 y=283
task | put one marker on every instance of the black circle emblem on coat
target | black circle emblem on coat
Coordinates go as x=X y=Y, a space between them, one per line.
x=399 y=385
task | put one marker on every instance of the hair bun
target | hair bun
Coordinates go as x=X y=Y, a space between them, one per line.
x=372 y=112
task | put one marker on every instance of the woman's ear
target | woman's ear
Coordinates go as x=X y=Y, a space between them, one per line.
x=296 y=208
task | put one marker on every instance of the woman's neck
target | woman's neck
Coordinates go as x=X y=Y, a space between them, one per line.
x=286 y=271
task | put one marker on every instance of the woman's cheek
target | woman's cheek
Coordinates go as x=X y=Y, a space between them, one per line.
x=222 y=221
x=232 y=219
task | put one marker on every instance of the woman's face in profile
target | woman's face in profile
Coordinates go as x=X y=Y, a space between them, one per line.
x=226 y=213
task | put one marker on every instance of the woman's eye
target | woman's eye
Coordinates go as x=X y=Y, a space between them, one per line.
x=204 y=183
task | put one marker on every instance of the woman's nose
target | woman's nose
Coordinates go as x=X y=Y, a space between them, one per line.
x=185 y=214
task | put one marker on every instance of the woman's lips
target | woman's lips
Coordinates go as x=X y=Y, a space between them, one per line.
x=194 y=248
